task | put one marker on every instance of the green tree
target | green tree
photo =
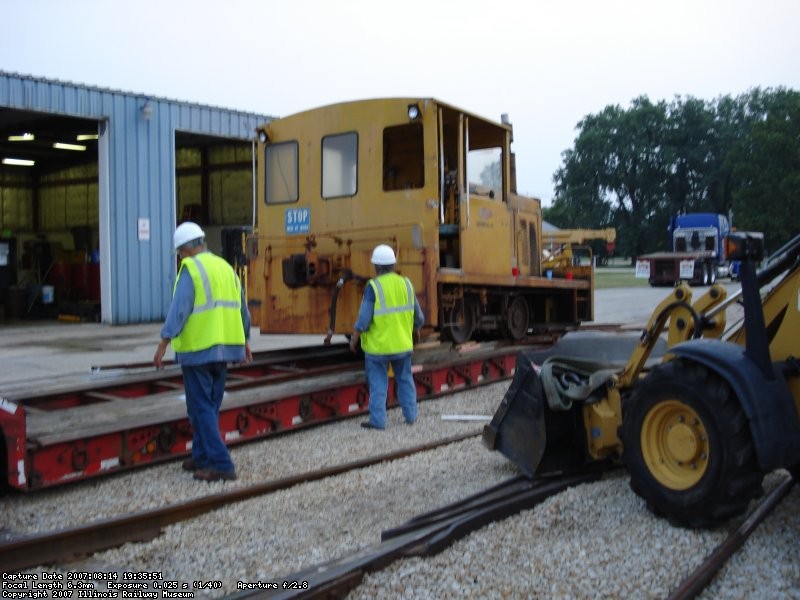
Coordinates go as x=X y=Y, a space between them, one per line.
x=766 y=165
x=492 y=175
x=615 y=175
x=634 y=168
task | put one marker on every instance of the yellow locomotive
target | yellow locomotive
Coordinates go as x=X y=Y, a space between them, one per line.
x=434 y=182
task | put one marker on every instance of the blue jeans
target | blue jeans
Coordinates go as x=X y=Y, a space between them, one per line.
x=205 y=385
x=376 y=367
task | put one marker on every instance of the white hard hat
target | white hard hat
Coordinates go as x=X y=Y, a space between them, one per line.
x=185 y=233
x=383 y=255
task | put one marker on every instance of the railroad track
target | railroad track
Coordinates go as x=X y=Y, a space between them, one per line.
x=702 y=576
x=68 y=544
x=424 y=535
x=429 y=533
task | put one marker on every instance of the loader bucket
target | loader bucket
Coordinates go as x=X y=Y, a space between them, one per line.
x=529 y=433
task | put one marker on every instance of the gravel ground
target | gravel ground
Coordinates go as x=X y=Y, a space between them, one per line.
x=596 y=540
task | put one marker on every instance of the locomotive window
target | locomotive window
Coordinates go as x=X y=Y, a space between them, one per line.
x=339 y=165
x=281 y=168
x=485 y=170
x=403 y=157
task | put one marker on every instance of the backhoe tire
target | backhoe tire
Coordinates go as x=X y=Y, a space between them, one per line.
x=688 y=446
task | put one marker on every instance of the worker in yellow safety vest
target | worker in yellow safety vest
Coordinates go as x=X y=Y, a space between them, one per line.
x=389 y=315
x=209 y=326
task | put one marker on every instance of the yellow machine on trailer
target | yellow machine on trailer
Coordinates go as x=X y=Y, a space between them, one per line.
x=564 y=248
x=697 y=431
x=435 y=182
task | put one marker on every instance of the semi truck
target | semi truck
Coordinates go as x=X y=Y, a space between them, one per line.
x=696 y=254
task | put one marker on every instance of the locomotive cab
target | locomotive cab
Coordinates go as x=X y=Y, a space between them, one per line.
x=434 y=182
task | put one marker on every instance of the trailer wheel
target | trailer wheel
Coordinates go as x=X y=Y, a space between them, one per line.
x=688 y=446
x=706 y=274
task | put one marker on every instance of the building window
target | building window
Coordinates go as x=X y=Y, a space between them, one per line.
x=339 y=165
x=281 y=168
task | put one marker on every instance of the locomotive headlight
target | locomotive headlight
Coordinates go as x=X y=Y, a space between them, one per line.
x=262 y=136
x=413 y=112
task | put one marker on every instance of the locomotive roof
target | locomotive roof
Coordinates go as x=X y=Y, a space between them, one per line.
x=401 y=101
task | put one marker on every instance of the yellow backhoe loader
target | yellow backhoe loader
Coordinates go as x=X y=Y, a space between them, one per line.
x=697 y=418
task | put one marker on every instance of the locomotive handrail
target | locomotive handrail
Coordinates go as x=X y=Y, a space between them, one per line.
x=441 y=169
x=465 y=189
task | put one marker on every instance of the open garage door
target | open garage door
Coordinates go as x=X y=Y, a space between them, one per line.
x=49 y=217
x=214 y=188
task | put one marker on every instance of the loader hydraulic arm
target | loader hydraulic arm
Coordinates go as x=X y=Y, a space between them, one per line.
x=686 y=321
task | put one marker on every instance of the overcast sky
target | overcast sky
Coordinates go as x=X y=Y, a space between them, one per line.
x=545 y=63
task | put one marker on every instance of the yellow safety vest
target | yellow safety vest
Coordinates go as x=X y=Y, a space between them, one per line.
x=216 y=316
x=390 y=331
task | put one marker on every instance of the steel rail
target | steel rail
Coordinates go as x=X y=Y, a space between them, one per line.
x=131 y=374
x=422 y=536
x=67 y=544
x=699 y=579
x=261 y=357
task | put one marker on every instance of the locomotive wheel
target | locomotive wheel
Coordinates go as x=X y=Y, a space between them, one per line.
x=688 y=447
x=517 y=319
x=461 y=322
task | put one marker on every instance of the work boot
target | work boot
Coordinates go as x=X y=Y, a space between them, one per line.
x=214 y=475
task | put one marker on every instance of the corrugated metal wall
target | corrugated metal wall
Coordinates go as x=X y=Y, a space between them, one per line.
x=136 y=180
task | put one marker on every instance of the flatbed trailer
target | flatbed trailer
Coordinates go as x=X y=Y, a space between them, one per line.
x=71 y=428
x=670 y=268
